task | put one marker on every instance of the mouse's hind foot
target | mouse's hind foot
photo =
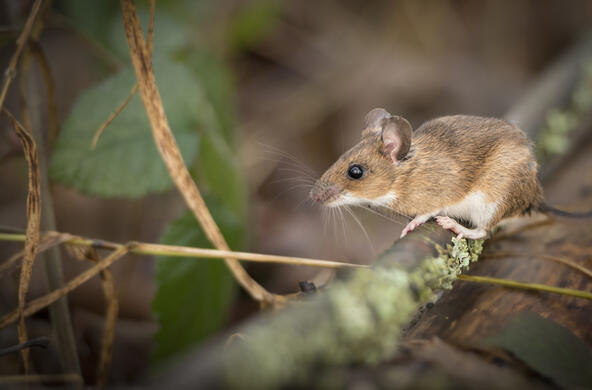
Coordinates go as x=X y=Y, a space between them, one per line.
x=414 y=223
x=461 y=231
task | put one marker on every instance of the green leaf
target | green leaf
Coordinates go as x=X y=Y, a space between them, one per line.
x=257 y=19
x=193 y=295
x=91 y=16
x=218 y=170
x=217 y=82
x=125 y=161
x=171 y=32
x=548 y=348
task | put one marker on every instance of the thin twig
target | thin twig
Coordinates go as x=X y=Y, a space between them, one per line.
x=169 y=150
x=30 y=94
x=527 y=286
x=47 y=241
x=20 y=44
x=113 y=115
x=33 y=227
x=40 y=303
x=42 y=342
x=567 y=262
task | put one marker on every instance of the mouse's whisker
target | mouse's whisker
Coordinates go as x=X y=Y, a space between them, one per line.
x=281 y=153
x=290 y=189
x=298 y=173
x=372 y=248
x=333 y=224
x=342 y=218
x=297 y=170
x=293 y=179
x=383 y=216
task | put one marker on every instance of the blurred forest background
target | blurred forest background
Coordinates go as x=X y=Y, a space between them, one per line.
x=262 y=97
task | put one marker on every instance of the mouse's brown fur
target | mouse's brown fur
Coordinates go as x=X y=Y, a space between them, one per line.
x=453 y=164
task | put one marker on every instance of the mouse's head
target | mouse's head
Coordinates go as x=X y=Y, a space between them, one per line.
x=365 y=173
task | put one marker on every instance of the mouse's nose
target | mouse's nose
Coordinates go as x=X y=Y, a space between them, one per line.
x=323 y=193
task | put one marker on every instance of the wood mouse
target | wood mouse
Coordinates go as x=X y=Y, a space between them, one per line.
x=469 y=168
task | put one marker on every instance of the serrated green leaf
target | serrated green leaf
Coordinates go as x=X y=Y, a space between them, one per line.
x=548 y=348
x=193 y=295
x=125 y=161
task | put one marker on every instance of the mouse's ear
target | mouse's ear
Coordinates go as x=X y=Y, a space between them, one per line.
x=396 y=137
x=373 y=121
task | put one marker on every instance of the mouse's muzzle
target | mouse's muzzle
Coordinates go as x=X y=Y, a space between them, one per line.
x=324 y=193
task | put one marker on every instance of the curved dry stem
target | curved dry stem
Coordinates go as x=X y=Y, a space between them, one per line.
x=104 y=365
x=33 y=228
x=167 y=146
x=40 y=303
x=10 y=72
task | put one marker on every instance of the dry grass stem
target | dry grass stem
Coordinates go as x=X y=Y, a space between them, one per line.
x=46 y=300
x=20 y=44
x=33 y=228
x=569 y=263
x=112 y=309
x=47 y=241
x=167 y=146
x=143 y=248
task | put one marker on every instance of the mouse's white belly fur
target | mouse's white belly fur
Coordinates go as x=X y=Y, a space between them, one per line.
x=474 y=208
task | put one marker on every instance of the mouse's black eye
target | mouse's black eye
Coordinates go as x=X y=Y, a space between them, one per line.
x=355 y=171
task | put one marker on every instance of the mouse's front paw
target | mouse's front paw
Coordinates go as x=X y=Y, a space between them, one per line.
x=410 y=227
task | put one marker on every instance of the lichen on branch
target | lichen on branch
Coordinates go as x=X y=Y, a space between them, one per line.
x=358 y=320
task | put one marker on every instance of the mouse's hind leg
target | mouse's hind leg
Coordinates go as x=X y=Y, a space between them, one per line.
x=460 y=230
x=415 y=222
